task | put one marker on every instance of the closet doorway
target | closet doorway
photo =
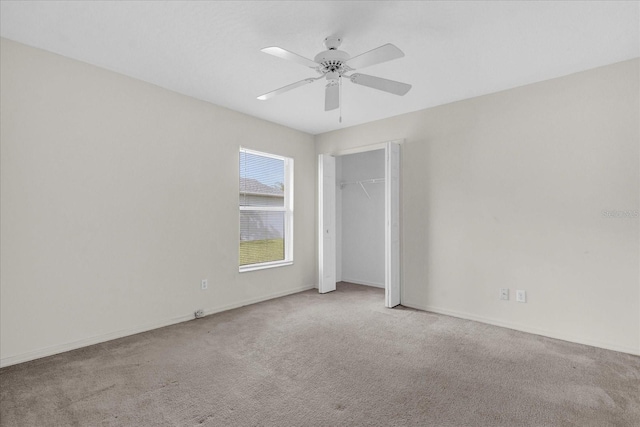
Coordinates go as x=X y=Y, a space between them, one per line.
x=359 y=221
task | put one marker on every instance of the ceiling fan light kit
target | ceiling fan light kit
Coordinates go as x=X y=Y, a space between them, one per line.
x=333 y=64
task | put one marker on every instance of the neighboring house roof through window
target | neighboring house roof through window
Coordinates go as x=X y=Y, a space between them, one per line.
x=253 y=186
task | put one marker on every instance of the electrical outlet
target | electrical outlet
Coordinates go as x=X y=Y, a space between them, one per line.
x=504 y=294
x=521 y=296
x=199 y=313
x=204 y=284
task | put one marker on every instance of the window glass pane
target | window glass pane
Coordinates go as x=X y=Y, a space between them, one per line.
x=261 y=180
x=261 y=236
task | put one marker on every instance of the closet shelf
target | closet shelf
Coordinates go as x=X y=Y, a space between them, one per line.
x=362 y=182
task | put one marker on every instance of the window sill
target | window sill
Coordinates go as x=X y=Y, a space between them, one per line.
x=254 y=267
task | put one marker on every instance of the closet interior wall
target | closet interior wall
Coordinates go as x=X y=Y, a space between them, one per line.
x=360 y=218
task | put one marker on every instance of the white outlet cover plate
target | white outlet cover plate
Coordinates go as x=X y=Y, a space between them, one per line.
x=521 y=296
x=204 y=284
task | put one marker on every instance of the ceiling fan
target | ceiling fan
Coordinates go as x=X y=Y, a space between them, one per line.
x=333 y=64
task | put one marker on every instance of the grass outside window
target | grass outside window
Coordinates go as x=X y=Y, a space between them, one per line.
x=259 y=251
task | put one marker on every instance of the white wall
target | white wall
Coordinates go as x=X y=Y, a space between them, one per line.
x=362 y=219
x=508 y=190
x=118 y=197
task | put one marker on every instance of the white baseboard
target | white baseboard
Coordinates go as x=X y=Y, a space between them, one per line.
x=363 y=282
x=61 y=348
x=523 y=328
x=257 y=300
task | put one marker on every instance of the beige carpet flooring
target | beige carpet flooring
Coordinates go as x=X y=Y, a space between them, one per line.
x=339 y=359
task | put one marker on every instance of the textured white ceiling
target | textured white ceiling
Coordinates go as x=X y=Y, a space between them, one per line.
x=211 y=50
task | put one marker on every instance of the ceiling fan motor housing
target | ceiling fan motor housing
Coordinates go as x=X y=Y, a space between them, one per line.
x=332 y=61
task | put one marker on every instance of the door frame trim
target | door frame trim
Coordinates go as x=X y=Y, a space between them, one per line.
x=388 y=253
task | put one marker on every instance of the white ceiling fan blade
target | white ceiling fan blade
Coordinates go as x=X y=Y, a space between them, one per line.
x=331 y=97
x=285 y=54
x=390 y=86
x=378 y=55
x=286 y=88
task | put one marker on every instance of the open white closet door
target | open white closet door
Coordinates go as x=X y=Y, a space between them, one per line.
x=392 y=225
x=327 y=223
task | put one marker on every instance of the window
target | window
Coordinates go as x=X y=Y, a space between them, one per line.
x=266 y=210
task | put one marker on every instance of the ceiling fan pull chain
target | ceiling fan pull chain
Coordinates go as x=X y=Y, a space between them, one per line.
x=340 y=94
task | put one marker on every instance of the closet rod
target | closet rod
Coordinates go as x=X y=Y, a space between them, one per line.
x=364 y=181
x=361 y=183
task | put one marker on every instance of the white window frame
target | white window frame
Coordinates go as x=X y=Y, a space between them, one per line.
x=287 y=209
